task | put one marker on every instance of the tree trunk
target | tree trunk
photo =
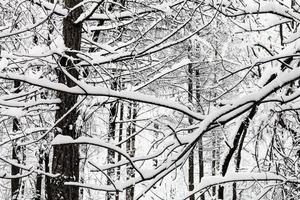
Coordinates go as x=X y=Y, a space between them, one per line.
x=47 y=170
x=201 y=163
x=200 y=143
x=66 y=157
x=120 y=139
x=236 y=142
x=16 y=182
x=239 y=152
x=130 y=146
x=191 y=156
x=215 y=160
x=39 y=177
x=111 y=136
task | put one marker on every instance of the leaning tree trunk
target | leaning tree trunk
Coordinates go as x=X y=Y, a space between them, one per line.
x=66 y=157
x=237 y=142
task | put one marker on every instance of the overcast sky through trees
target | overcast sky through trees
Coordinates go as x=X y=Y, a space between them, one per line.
x=151 y=100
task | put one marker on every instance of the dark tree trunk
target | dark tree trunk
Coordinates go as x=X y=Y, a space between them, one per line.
x=200 y=143
x=239 y=154
x=201 y=163
x=39 y=177
x=16 y=182
x=238 y=140
x=215 y=160
x=47 y=169
x=241 y=131
x=130 y=146
x=237 y=144
x=66 y=157
x=111 y=136
x=120 y=139
x=191 y=156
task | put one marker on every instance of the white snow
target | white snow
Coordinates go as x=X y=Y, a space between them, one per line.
x=208 y=181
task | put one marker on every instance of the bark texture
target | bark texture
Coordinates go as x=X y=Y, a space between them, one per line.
x=200 y=143
x=130 y=146
x=66 y=157
x=15 y=183
x=191 y=156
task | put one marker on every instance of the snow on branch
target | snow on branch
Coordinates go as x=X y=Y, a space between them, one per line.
x=62 y=139
x=9 y=33
x=28 y=168
x=85 y=89
x=255 y=7
x=209 y=181
x=175 y=67
x=91 y=15
x=4 y=175
x=228 y=111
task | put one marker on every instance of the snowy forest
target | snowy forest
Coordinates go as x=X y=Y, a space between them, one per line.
x=149 y=99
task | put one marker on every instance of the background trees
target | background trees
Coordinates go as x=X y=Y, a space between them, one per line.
x=122 y=95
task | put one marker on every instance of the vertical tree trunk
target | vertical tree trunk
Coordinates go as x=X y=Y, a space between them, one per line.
x=215 y=136
x=39 y=177
x=15 y=183
x=200 y=143
x=215 y=159
x=66 y=157
x=191 y=156
x=216 y=150
x=47 y=169
x=46 y=156
x=201 y=163
x=120 y=138
x=41 y=158
x=111 y=136
x=130 y=146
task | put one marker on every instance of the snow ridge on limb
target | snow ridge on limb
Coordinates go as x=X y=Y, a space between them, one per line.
x=175 y=67
x=234 y=177
x=91 y=15
x=31 y=169
x=86 y=89
x=153 y=175
x=13 y=103
x=231 y=110
x=231 y=9
x=242 y=104
x=63 y=139
x=4 y=175
x=9 y=33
